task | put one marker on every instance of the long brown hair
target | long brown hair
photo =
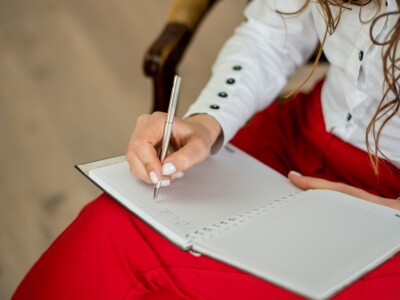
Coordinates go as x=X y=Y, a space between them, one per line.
x=389 y=104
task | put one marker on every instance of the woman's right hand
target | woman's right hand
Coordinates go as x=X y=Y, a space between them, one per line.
x=191 y=139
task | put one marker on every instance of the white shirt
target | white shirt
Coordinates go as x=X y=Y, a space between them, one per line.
x=268 y=48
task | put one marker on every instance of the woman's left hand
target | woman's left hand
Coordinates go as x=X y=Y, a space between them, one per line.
x=306 y=182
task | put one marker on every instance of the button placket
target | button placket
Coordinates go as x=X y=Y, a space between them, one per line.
x=229 y=81
x=353 y=63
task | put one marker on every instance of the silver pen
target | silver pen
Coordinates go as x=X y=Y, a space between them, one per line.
x=168 y=127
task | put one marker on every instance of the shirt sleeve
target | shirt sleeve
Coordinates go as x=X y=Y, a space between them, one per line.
x=255 y=63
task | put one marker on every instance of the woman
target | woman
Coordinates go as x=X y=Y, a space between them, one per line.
x=344 y=136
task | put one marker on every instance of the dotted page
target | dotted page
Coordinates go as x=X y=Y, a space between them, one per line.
x=315 y=244
x=222 y=188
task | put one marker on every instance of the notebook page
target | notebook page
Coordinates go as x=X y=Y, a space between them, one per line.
x=314 y=245
x=224 y=186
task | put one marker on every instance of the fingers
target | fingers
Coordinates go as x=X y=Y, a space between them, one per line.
x=193 y=141
x=194 y=151
x=138 y=168
x=306 y=182
x=141 y=152
x=190 y=140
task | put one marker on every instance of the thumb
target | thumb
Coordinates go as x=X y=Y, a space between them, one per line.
x=194 y=151
x=306 y=182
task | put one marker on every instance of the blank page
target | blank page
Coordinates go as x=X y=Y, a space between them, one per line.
x=314 y=244
x=224 y=186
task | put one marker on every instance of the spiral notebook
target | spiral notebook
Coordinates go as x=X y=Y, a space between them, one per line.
x=235 y=209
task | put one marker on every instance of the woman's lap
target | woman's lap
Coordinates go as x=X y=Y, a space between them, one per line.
x=108 y=253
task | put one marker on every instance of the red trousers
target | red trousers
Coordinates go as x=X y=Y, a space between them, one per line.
x=108 y=253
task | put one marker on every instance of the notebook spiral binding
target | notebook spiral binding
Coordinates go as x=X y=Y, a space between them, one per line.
x=225 y=225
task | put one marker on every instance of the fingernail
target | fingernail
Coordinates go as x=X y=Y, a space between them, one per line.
x=168 y=168
x=165 y=182
x=153 y=177
x=178 y=175
x=295 y=173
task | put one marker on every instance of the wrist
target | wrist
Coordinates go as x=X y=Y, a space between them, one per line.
x=208 y=123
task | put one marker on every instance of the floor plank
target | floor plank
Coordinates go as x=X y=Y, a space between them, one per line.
x=71 y=87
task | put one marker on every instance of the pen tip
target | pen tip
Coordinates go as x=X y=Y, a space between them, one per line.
x=156 y=190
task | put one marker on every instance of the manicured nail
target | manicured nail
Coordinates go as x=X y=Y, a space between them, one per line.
x=295 y=173
x=168 y=168
x=178 y=175
x=153 y=177
x=165 y=182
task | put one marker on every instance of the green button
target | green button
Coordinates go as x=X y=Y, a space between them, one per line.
x=222 y=94
x=214 y=106
x=230 y=81
x=361 y=55
x=237 y=68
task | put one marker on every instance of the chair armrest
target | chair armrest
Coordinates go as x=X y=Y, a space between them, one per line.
x=166 y=52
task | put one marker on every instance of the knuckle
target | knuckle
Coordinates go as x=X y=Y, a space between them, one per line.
x=158 y=115
x=142 y=119
x=136 y=143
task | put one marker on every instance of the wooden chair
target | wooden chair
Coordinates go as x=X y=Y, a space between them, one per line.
x=164 y=55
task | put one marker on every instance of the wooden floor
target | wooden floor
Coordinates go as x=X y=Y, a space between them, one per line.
x=71 y=87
